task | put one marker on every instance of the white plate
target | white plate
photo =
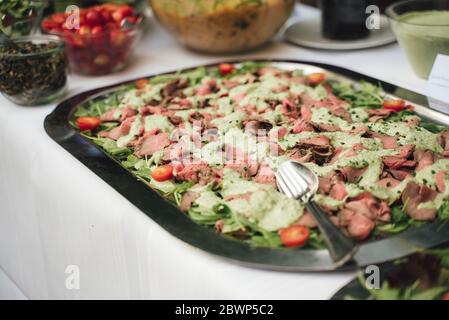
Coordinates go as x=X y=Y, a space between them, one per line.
x=308 y=33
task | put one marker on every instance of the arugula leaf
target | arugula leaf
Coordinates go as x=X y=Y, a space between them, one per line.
x=443 y=211
x=267 y=239
x=364 y=94
x=443 y=254
x=195 y=76
x=97 y=107
x=180 y=189
x=432 y=127
x=250 y=67
x=384 y=293
x=262 y=237
x=111 y=147
x=400 y=116
x=393 y=228
x=165 y=78
x=316 y=240
x=399 y=221
x=430 y=294
x=199 y=218
x=398 y=215
x=131 y=161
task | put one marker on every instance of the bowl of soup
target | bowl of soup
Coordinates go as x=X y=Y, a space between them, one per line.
x=223 y=26
x=422 y=30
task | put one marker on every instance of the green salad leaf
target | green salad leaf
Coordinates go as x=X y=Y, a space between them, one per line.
x=364 y=94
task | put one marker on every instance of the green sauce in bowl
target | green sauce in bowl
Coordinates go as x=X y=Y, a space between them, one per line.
x=423 y=35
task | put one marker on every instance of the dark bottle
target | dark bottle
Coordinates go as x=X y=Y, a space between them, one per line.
x=344 y=19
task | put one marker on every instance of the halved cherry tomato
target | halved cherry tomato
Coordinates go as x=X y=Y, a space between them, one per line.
x=394 y=105
x=445 y=296
x=316 y=78
x=140 y=84
x=294 y=236
x=226 y=68
x=88 y=123
x=162 y=173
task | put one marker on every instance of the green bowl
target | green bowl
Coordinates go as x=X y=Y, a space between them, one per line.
x=422 y=30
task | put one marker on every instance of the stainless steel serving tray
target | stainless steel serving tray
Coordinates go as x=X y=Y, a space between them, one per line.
x=181 y=226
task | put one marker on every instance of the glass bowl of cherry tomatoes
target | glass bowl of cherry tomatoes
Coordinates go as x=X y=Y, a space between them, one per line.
x=99 y=39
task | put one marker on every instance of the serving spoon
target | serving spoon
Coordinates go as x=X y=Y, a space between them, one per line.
x=298 y=182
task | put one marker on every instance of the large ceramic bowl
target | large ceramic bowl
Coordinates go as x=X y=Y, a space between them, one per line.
x=223 y=26
x=422 y=29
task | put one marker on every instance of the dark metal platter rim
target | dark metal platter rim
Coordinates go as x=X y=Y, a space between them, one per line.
x=182 y=227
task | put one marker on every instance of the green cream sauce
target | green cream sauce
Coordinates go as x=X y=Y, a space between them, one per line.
x=423 y=35
x=158 y=122
x=233 y=120
x=266 y=206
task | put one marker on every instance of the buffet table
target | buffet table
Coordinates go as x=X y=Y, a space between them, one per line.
x=56 y=216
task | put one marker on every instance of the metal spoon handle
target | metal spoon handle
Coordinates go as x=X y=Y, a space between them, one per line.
x=341 y=248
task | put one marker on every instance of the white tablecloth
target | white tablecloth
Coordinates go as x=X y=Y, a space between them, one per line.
x=54 y=212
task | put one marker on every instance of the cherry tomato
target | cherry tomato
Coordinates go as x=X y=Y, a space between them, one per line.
x=97 y=30
x=99 y=45
x=162 y=173
x=56 y=30
x=111 y=26
x=117 y=38
x=140 y=84
x=226 y=68
x=118 y=16
x=102 y=60
x=445 y=296
x=132 y=19
x=316 y=78
x=109 y=6
x=88 y=123
x=394 y=105
x=294 y=236
x=106 y=15
x=59 y=18
x=84 y=30
x=48 y=24
x=126 y=10
x=93 y=18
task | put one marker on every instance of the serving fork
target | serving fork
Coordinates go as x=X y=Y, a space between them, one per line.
x=298 y=182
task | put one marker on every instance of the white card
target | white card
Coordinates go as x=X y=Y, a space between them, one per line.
x=438 y=84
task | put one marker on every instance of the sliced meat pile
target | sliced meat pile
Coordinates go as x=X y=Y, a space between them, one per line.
x=317 y=149
x=414 y=197
x=360 y=215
